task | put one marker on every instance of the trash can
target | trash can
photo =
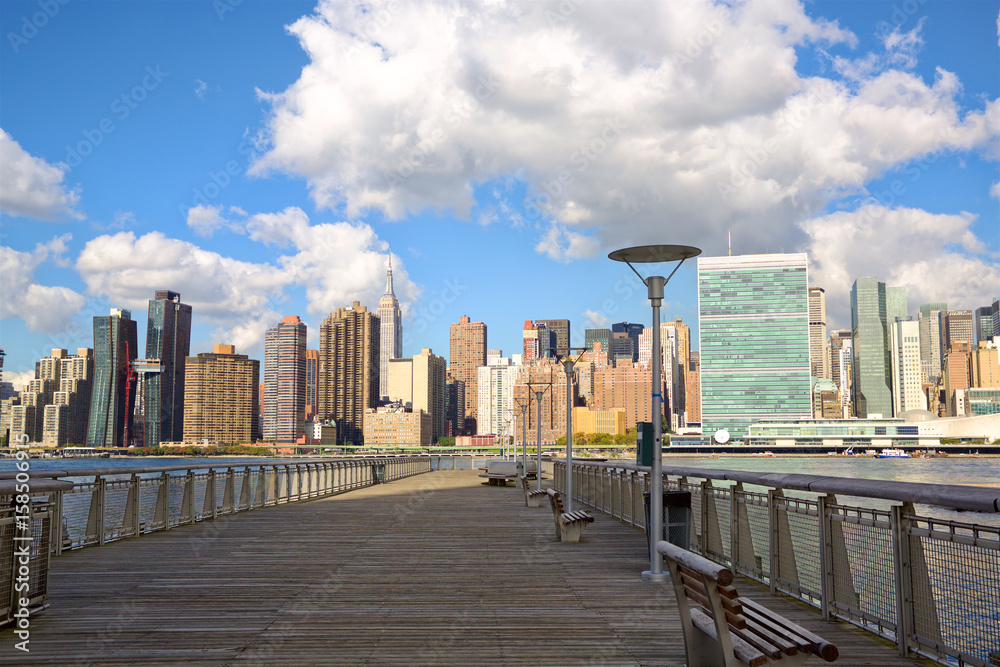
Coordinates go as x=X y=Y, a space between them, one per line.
x=676 y=516
x=378 y=473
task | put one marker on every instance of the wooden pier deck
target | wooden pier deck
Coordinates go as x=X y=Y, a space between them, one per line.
x=434 y=569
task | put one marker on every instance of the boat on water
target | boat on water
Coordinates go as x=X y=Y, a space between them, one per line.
x=892 y=454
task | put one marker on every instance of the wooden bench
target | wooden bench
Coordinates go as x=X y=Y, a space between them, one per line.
x=721 y=628
x=569 y=525
x=532 y=498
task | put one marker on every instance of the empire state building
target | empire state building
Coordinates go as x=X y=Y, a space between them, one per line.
x=391 y=331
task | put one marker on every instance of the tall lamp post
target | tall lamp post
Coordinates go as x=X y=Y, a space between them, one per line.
x=654 y=286
x=524 y=432
x=538 y=397
x=568 y=362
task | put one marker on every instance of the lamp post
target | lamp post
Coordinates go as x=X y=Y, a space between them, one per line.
x=524 y=433
x=538 y=397
x=568 y=363
x=654 y=287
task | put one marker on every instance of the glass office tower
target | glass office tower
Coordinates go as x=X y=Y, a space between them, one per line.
x=754 y=341
x=113 y=396
x=168 y=338
x=873 y=308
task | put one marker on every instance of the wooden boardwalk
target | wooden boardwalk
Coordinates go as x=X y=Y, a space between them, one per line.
x=435 y=569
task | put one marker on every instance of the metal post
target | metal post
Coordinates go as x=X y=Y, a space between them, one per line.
x=538 y=459
x=654 y=285
x=568 y=365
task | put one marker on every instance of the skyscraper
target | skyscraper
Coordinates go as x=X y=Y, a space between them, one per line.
x=221 y=402
x=602 y=336
x=312 y=378
x=285 y=380
x=349 y=348
x=907 y=389
x=754 y=340
x=560 y=328
x=112 y=399
x=419 y=384
x=467 y=354
x=930 y=340
x=956 y=327
x=391 y=330
x=873 y=307
x=632 y=330
x=840 y=367
x=168 y=338
x=496 y=397
x=683 y=393
x=818 y=361
x=983 y=321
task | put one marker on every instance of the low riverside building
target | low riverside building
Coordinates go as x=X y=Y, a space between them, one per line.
x=392 y=426
x=611 y=421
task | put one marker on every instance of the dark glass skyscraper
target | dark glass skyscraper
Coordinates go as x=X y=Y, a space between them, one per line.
x=633 y=330
x=874 y=306
x=168 y=338
x=113 y=397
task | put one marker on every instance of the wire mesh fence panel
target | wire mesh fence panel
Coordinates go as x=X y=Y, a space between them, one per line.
x=754 y=536
x=864 y=585
x=7 y=532
x=38 y=577
x=200 y=489
x=798 y=564
x=718 y=517
x=954 y=581
x=149 y=493
x=697 y=539
x=115 y=502
x=76 y=510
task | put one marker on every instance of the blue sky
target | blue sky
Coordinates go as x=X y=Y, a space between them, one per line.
x=262 y=158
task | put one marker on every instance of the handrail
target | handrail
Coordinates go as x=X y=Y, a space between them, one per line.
x=956 y=496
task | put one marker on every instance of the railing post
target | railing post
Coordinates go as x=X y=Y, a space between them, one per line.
x=901 y=572
x=245 y=500
x=825 y=555
x=260 y=489
x=57 y=527
x=209 y=507
x=95 y=518
x=131 y=519
x=162 y=511
x=229 y=492
x=773 y=541
x=187 y=501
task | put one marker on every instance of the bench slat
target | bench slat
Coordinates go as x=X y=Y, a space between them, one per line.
x=721 y=575
x=734 y=620
x=743 y=650
x=755 y=632
x=695 y=582
x=821 y=647
x=769 y=624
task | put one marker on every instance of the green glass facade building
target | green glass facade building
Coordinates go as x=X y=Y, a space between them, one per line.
x=168 y=338
x=114 y=349
x=873 y=307
x=754 y=341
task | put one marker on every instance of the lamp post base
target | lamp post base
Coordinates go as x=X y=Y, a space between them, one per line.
x=656 y=578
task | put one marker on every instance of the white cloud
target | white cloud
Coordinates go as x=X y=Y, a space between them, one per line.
x=19 y=380
x=32 y=187
x=206 y=219
x=677 y=120
x=596 y=319
x=44 y=309
x=995 y=190
x=563 y=245
x=935 y=256
x=334 y=263
x=200 y=89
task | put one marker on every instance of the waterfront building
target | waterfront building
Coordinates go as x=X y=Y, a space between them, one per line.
x=419 y=384
x=826 y=399
x=632 y=330
x=112 y=398
x=983 y=323
x=393 y=426
x=312 y=382
x=454 y=406
x=860 y=434
x=628 y=387
x=956 y=327
x=984 y=366
x=754 y=340
x=907 y=386
x=873 y=307
x=285 y=380
x=349 y=369
x=496 y=396
x=930 y=339
x=168 y=338
x=221 y=401
x=611 y=421
x=27 y=418
x=956 y=375
x=561 y=331
x=390 y=329
x=692 y=389
x=602 y=336
x=981 y=401
x=684 y=396
x=65 y=417
x=819 y=365
x=467 y=353
x=547 y=376
x=839 y=352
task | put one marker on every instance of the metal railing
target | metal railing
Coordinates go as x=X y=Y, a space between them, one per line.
x=929 y=585
x=113 y=503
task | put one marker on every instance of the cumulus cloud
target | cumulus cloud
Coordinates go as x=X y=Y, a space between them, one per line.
x=334 y=263
x=563 y=245
x=935 y=256
x=19 y=380
x=44 y=309
x=32 y=187
x=679 y=119
x=597 y=320
x=995 y=190
x=200 y=89
x=206 y=219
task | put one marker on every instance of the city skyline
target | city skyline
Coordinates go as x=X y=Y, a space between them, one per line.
x=155 y=162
